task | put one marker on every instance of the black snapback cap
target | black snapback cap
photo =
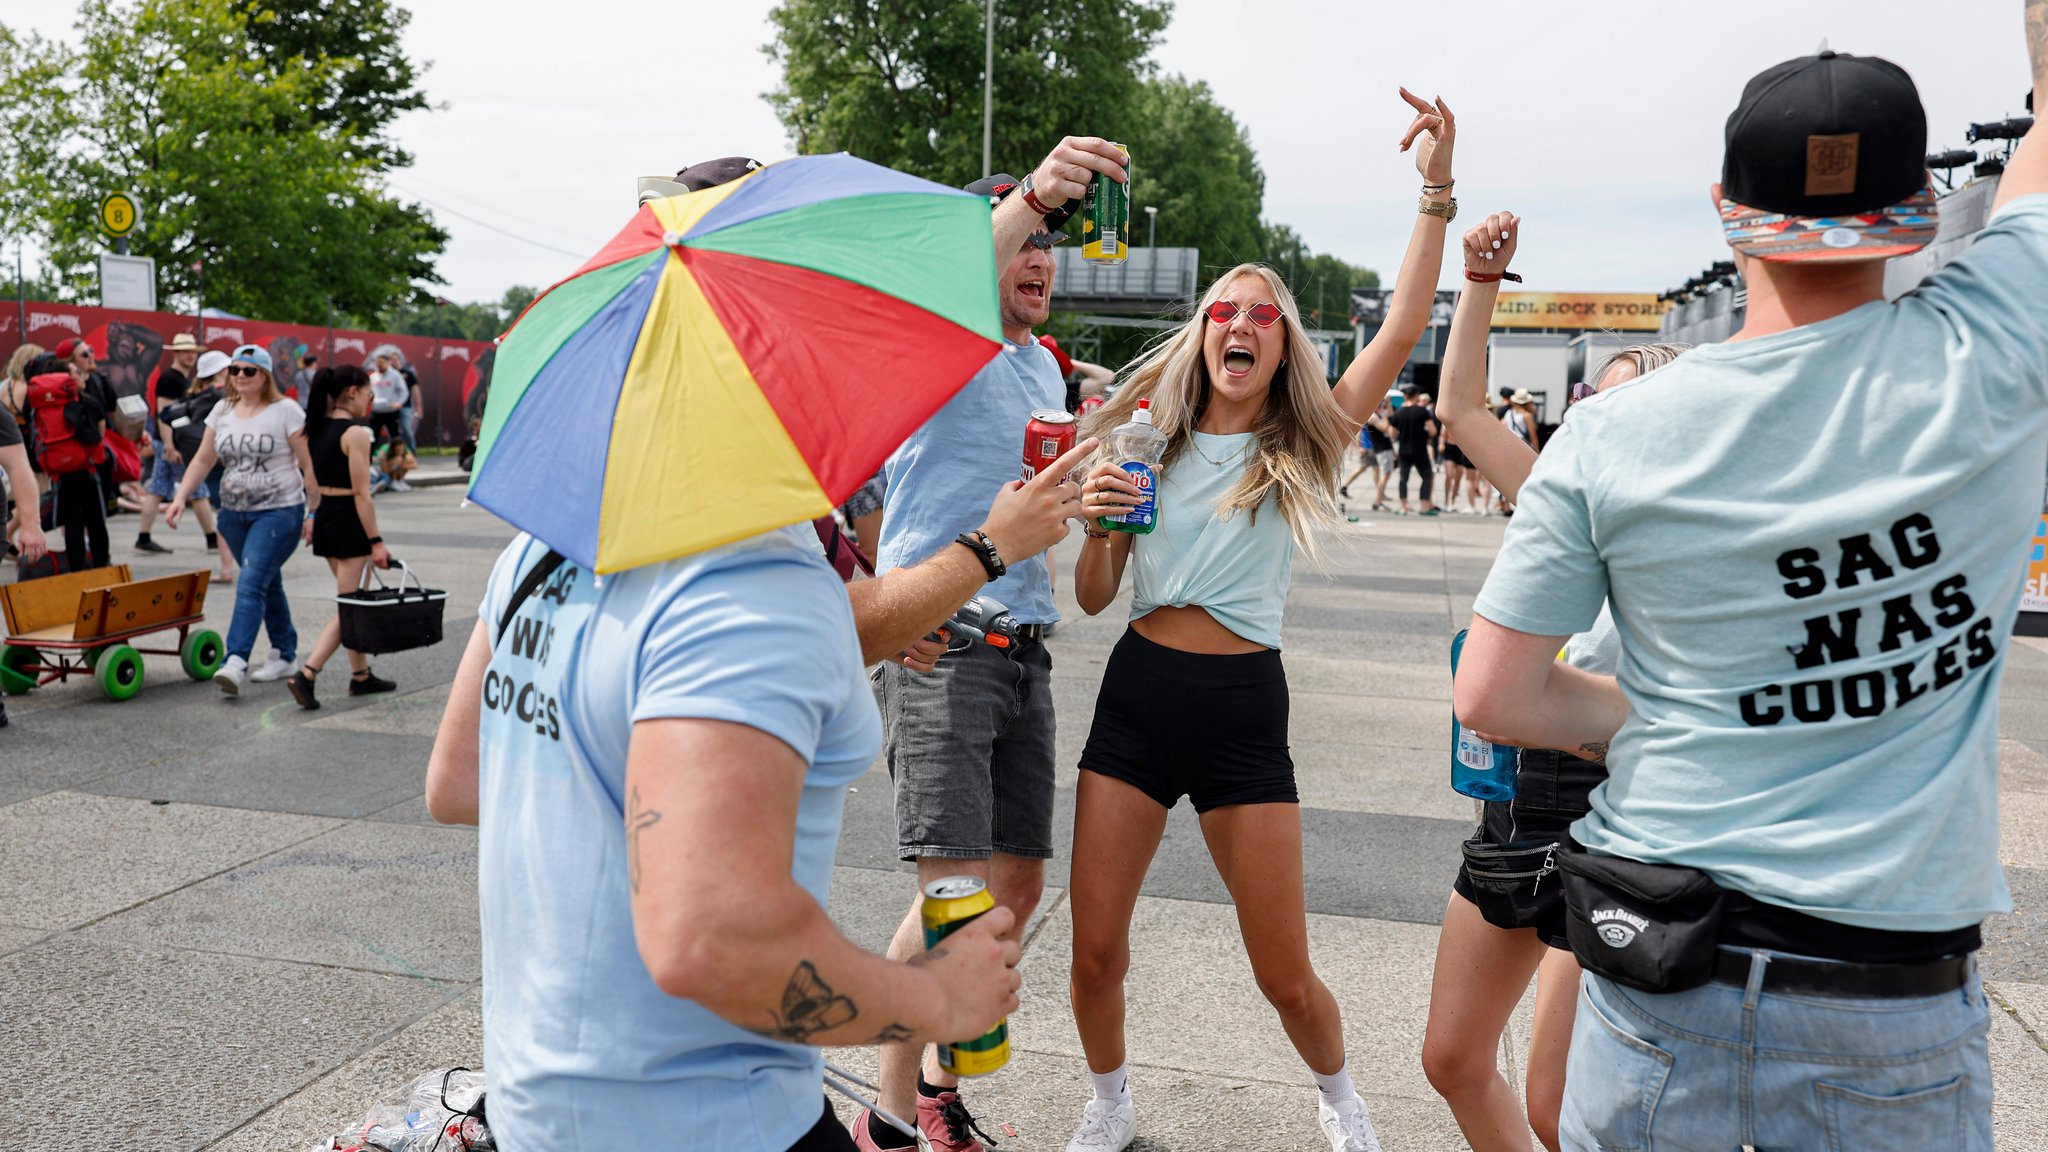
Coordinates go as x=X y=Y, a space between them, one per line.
x=1826 y=159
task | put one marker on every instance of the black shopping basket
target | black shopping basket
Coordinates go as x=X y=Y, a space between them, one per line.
x=386 y=619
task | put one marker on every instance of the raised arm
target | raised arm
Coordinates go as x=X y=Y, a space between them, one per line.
x=1432 y=134
x=1499 y=454
x=2028 y=172
x=1062 y=176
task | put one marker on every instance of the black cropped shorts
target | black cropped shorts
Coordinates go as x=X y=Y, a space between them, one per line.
x=1509 y=872
x=1211 y=728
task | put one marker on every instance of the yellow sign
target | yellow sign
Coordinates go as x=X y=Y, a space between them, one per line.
x=1594 y=311
x=118 y=214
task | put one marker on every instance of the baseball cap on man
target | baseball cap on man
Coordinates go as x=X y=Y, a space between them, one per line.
x=69 y=347
x=1827 y=162
x=253 y=354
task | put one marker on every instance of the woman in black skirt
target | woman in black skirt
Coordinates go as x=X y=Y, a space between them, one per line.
x=341 y=524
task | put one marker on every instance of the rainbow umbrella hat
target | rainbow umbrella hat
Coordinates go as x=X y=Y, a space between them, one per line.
x=736 y=360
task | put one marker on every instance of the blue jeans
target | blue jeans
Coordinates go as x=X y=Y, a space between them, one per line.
x=262 y=542
x=1719 y=1067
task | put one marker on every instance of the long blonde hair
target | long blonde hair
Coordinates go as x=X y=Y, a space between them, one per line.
x=1301 y=432
x=20 y=359
x=14 y=389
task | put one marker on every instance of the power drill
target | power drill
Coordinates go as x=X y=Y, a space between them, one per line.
x=986 y=619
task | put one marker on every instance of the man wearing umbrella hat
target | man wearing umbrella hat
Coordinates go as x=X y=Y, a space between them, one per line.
x=657 y=761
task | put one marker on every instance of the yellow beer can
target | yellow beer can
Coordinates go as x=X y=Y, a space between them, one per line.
x=949 y=903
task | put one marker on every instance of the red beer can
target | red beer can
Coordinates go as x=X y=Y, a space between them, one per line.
x=1047 y=437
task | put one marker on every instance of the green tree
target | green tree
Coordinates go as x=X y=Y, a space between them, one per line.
x=1321 y=284
x=899 y=82
x=362 y=78
x=170 y=100
x=483 y=320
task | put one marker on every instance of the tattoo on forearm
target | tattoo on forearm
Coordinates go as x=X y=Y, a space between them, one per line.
x=810 y=1006
x=639 y=818
x=892 y=1034
x=1596 y=752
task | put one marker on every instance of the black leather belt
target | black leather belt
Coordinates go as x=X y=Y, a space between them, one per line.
x=1845 y=978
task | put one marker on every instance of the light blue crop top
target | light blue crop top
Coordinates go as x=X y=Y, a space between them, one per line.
x=1235 y=569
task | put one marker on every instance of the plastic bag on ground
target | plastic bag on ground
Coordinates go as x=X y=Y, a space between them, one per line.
x=440 y=1111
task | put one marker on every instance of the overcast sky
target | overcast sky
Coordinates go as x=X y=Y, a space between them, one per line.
x=1599 y=122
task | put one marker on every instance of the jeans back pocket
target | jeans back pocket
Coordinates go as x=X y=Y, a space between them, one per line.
x=1895 y=1122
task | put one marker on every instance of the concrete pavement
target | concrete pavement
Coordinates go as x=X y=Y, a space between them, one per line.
x=230 y=925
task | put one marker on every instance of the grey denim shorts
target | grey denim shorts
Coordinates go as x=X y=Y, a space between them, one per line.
x=970 y=748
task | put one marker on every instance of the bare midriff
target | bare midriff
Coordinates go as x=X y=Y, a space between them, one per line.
x=1191 y=629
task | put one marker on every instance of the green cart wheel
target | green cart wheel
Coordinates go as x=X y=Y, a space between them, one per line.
x=120 y=672
x=92 y=658
x=15 y=660
x=203 y=654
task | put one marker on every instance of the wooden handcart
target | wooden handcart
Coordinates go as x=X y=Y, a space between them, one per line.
x=86 y=624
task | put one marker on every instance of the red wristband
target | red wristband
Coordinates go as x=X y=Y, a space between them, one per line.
x=1031 y=198
x=1490 y=277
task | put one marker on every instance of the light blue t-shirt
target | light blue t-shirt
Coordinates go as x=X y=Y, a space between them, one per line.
x=581 y=1048
x=944 y=478
x=1236 y=569
x=1812 y=544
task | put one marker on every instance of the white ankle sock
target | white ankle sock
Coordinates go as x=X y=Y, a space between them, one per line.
x=1337 y=1086
x=1112 y=1085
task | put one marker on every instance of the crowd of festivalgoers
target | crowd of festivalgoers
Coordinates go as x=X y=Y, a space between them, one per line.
x=264 y=456
x=1746 y=631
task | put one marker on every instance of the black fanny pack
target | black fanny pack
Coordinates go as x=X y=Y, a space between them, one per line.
x=1652 y=927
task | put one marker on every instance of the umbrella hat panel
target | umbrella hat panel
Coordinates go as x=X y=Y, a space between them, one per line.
x=542 y=332
x=865 y=372
x=657 y=221
x=547 y=472
x=697 y=466
x=931 y=250
x=792 y=184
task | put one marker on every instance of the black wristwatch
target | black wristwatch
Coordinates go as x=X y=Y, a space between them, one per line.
x=985 y=550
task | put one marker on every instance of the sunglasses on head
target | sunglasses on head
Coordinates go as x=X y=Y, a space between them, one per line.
x=1043 y=241
x=245 y=370
x=1223 y=312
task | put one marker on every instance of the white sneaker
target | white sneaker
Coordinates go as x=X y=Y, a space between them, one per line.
x=400 y=486
x=277 y=668
x=232 y=676
x=1106 y=1126
x=1347 y=1125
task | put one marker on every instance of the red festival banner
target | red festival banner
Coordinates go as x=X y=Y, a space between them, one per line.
x=130 y=348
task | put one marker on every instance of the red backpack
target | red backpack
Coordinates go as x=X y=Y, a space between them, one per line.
x=65 y=425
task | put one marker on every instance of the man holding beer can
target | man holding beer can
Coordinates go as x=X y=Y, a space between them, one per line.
x=657 y=767
x=970 y=745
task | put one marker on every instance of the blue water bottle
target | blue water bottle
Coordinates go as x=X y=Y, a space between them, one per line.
x=1479 y=769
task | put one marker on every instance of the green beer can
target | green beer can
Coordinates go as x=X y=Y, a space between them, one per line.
x=1106 y=218
x=948 y=904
